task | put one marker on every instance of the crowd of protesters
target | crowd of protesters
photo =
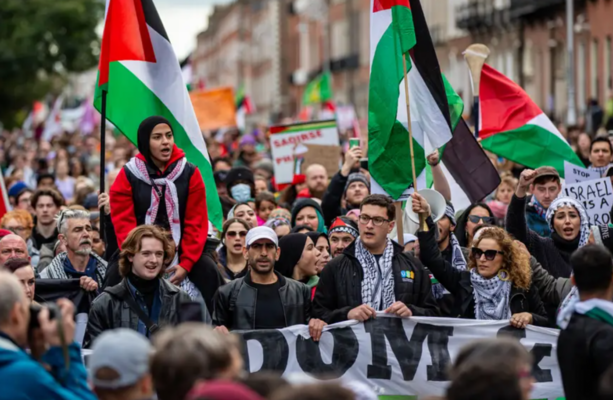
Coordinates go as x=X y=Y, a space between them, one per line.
x=318 y=251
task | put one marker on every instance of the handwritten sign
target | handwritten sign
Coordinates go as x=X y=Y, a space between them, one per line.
x=574 y=173
x=596 y=196
x=284 y=140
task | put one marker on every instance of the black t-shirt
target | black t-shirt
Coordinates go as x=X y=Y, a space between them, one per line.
x=268 y=310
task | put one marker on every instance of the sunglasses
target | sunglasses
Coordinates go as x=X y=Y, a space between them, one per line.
x=475 y=219
x=489 y=254
x=233 y=234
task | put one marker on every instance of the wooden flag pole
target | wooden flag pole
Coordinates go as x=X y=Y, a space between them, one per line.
x=422 y=220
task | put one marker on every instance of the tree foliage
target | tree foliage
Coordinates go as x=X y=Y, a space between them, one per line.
x=41 y=41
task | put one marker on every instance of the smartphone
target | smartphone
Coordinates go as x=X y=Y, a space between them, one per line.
x=364 y=163
x=190 y=311
x=354 y=142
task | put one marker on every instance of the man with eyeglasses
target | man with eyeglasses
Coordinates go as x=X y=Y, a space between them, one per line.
x=263 y=299
x=374 y=274
x=12 y=246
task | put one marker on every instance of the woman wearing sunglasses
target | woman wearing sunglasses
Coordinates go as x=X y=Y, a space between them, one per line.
x=475 y=215
x=495 y=285
x=231 y=252
x=569 y=224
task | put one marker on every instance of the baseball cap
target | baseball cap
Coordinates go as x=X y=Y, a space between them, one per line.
x=261 y=232
x=546 y=171
x=124 y=351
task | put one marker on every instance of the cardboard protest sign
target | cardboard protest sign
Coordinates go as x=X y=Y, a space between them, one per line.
x=596 y=196
x=327 y=156
x=214 y=108
x=286 y=139
x=574 y=174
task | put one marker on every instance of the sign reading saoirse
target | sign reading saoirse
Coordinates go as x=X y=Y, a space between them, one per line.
x=396 y=357
x=286 y=138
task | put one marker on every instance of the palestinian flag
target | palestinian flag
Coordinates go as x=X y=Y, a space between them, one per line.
x=142 y=77
x=319 y=90
x=514 y=127
x=397 y=27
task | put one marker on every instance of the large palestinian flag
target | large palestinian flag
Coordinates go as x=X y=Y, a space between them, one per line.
x=514 y=127
x=142 y=77
x=399 y=27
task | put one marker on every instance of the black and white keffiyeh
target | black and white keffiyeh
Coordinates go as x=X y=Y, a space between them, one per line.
x=378 y=281
x=491 y=297
x=584 y=230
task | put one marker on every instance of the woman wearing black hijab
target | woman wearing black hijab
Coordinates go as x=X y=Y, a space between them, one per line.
x=159 y=187
x=298 y=259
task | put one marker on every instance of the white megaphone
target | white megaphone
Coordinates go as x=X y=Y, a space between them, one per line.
x=437 y=205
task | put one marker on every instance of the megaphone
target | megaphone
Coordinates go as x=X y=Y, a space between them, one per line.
x=437 y=205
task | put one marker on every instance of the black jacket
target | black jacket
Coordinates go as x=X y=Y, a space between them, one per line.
x=331 y=202
x=555 y=261
x=109 y=311
x=340 y=286
x=585 y=351
x=458 y=283
x=235 y=303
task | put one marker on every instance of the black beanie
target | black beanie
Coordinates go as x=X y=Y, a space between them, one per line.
x=239 y=174
x=302 y=203
x=144 y=134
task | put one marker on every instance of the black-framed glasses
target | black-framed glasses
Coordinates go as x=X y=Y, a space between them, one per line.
x=489 y=254
x=377 y=221
x=475 y=219
x=234 y=233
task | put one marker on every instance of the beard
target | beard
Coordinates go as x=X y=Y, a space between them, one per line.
x=83 y=252
x=261 y=270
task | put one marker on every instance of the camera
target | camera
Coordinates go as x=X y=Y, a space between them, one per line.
x=35 y=309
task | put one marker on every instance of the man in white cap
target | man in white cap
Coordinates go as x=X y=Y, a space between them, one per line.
x=119 y=366
x=263 y=299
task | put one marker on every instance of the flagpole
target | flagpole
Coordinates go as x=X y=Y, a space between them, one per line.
x=422 y=220
x=102 y=156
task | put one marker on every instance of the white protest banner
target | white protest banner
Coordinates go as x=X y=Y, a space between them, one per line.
x=596 y=196
x=284 y=139
x=396 y=357
x=574 y=174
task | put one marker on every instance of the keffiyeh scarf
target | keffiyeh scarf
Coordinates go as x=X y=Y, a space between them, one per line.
x=457 y=261
x=601 y=170
x=584 y=229
x=139 y=169
x=540 y=210
x=491 y=297
x=378 y=281
x=598 y=309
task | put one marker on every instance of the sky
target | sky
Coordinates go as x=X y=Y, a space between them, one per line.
x=183 y=20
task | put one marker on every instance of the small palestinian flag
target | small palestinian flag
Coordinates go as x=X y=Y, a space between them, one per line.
x=514 y=127
x=142 y=77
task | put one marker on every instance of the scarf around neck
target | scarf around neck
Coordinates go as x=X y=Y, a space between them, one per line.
x=540 y=210
x=491 y=297
x=139 y=169
x=598 y=309
x=378 y=281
